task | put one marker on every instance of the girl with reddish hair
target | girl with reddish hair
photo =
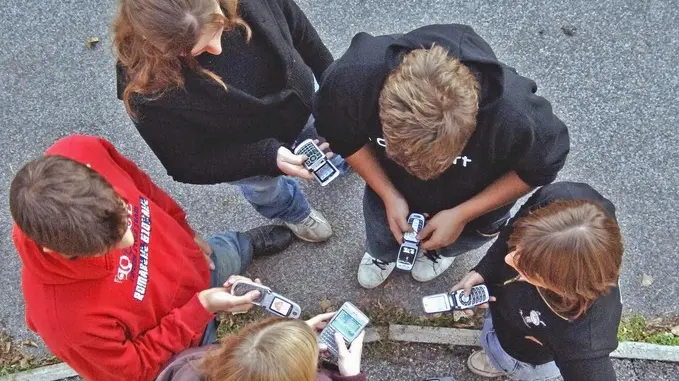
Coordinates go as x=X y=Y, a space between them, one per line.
x=221 y=90
x=553 y=274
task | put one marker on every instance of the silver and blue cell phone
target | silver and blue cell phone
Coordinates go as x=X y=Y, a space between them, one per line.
x=270 y=301
x=407 y=252
x=449 y=301
x=322 y=169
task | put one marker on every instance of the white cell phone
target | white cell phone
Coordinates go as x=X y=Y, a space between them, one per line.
x=322 y=169
x=270 y=301
x=407 y=253
x=349 y=321
x=449 y=301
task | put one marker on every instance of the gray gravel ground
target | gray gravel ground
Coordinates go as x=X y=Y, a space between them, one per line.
x=614 y=82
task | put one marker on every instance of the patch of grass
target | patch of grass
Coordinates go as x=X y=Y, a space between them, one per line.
x=636 y=328
x=14 y=358
x=383 y=314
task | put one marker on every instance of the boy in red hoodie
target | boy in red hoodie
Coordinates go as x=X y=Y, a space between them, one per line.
x=115 y=280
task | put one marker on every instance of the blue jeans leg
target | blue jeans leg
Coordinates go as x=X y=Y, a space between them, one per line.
x=275 y=197
x=231 y=254
x=511 y=367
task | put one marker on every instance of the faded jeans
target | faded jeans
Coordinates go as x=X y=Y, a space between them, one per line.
x=511 y=367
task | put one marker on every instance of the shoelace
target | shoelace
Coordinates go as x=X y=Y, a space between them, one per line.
x=381 y=264
x=433 y=255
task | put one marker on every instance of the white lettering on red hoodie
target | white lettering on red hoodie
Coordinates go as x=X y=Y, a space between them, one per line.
x=120 y=316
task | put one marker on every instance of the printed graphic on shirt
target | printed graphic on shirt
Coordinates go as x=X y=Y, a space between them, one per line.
x=133 y=264
x=464 y=159
x=532 y=318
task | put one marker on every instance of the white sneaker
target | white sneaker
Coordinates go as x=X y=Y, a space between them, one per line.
x=372 y=272
x=314 y=228
x=428 y=267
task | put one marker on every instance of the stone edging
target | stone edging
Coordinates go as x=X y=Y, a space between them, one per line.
x=406 y=333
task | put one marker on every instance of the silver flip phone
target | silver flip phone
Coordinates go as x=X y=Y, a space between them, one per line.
x=270 y=301
x=456 y=300
x=407 y=253
x=323 y=170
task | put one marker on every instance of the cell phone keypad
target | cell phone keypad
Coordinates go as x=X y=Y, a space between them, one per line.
x=477 y=296
x=243 y=288
x=312 y=153
x=327 y=337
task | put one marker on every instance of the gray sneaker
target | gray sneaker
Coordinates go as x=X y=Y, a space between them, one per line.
x=314 y=228
x=372 y=272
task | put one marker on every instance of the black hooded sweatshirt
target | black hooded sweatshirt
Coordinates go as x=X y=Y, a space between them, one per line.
x=516 y=129
x=580 y=347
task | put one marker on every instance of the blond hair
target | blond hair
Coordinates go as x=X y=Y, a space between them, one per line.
x=573 y=248
x=153 y=40
x=273 y=349
x=428 y=108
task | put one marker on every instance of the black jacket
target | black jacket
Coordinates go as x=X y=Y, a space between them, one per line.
x=516 y=129
x=205 y=135
x=579 y=347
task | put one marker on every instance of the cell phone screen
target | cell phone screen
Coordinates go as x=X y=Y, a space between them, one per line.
x=347 y=325
x=324 y=172
x=281 y=306
x=437 y=303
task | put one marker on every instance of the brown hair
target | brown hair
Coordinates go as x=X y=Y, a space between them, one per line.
x=153 y=40
x=67 y=207
x=573 y=248
x=273 y=349
x=428 y=108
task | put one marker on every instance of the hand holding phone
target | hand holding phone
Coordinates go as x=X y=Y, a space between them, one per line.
x=270 y=301
x=407 y=253
x=317 y=163
x=348 y=322
x=460 y=300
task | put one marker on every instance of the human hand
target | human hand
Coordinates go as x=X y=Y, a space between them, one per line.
x=470 y=280
x=218 y=299
x=349 y=359
x=318 y=322
x=293 y=165
x=442 y=229
x=206 y=249
x=397 y=216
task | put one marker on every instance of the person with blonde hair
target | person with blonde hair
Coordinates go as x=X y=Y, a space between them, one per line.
x=553 y=274
x=274 y=349
x=435 y=124
x=221 y=90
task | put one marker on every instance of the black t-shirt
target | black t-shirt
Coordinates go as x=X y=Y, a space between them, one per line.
x=579 y=347
x=516 y=129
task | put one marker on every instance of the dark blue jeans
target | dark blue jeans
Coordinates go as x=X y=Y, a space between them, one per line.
x=231 y=254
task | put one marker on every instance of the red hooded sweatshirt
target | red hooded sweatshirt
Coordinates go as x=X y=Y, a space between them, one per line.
x=123 y=315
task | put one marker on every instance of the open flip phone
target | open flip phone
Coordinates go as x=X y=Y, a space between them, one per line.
x=270 y=301
x=449 y=301
x=323 y=170
x=407 y=253
x=349 y=321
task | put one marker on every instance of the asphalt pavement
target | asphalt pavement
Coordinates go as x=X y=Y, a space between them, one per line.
x=612 y=79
